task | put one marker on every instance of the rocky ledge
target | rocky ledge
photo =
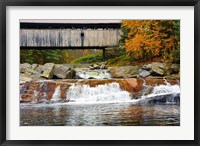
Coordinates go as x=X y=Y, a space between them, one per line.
x=30 y=72
x=155 y=70
x=46 y=88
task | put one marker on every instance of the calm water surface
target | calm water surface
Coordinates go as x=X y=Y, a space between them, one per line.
x=104 y=114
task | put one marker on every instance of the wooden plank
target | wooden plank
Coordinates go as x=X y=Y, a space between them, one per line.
x=68 y=37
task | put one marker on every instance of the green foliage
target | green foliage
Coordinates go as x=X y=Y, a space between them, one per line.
x=175 y=56
x=42 y=56
x=122 y=40
x=119 y=61
x=89 y=58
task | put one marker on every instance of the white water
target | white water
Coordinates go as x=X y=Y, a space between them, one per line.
x=113 y=93
x=35 y=96
x=101 y=93
x=57 y=94
x=96 y=74
x=168 y=90
x=107 y=93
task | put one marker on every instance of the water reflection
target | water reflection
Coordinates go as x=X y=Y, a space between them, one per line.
x=115 y=114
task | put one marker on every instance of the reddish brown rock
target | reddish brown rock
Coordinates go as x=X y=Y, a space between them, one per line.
x=46 y=89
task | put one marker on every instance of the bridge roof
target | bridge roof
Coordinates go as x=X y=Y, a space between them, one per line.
x=94 y=21
x=61 y=23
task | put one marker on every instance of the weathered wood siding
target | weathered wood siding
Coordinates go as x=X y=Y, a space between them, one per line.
x=69 y=37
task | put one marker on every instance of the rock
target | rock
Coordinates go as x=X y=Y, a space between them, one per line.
x=34 y=66
x=47 y=88
x=96 y=66
x=39 y=68
x=174 y=69
x=24 y=67
x=60 y=71
x=144 y=73
x=158 y=68
x=147 y=90
x=71 y=74
x=36 y=75
x=91 y=67
x=24 y=78
x=147 y=67
x=103 y=66
x=47 y=70
x=124 y=72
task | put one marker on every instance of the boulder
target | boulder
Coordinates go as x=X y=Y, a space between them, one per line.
x=96 y=66
x=60 y=71
x=147 y=67
x=158 y=68
x=71 y=74
x=47 y=70
x=36 y=75
x=124 y=72
x=34 y=66
x=39 y=68
x=102 y=65
x=25 y=67
x=175 y=68
x=144 y=73
x=24 y=78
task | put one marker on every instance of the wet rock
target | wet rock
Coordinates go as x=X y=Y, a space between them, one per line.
x=136 y=84
x=71 y=74
x=44 y=90
x=124 y=72
x=147 y=91
x=101 y=65
x=48 y=70
x=144 y=73
x=170 y=98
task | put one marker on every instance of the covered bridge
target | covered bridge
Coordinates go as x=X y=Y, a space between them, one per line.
x=69 y=34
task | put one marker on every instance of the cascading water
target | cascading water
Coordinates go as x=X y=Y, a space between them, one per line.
x=107 y=93
x=56 y=95
x=163 y=93
x=93 y=74
x=101 y=93
x=35 y=97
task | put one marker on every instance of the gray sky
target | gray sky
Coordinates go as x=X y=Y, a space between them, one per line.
x=70 y=21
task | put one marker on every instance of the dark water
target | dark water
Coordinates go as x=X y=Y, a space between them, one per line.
x=105 y=114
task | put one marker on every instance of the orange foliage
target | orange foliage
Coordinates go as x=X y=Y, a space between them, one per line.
x=150 y=38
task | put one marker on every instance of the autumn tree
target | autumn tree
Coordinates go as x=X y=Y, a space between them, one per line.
x=150 y=38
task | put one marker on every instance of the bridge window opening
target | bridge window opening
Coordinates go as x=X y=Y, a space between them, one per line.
x=82 y=34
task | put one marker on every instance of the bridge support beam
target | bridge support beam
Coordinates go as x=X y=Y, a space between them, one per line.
x=104 y=53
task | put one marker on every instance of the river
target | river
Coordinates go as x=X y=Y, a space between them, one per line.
x=101 y=105
x=110 y=114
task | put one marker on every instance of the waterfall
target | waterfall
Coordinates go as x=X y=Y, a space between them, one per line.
x=101 y=93
x=163 y=93
x=105 y=93
x=93 y=74
x=57 y=94
x=35 y=97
